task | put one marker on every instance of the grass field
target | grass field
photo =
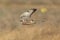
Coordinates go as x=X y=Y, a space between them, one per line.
x=47 y=25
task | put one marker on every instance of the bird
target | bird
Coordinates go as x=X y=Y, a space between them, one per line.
x=25 y=17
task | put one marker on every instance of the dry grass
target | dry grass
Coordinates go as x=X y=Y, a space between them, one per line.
x=47 y=25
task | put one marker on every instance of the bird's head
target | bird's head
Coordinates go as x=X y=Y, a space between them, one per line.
x=32 y=10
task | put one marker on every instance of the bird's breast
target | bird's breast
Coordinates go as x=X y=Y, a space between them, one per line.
x=27 y=14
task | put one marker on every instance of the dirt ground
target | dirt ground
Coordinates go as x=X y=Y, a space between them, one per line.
x=47 y=25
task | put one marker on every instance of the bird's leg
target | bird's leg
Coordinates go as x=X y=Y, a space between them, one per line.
x=22 y=21
x=27 y=21
x=32 y=21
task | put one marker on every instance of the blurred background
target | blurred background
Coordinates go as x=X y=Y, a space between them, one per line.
x=35 y=2
x=47 y=25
